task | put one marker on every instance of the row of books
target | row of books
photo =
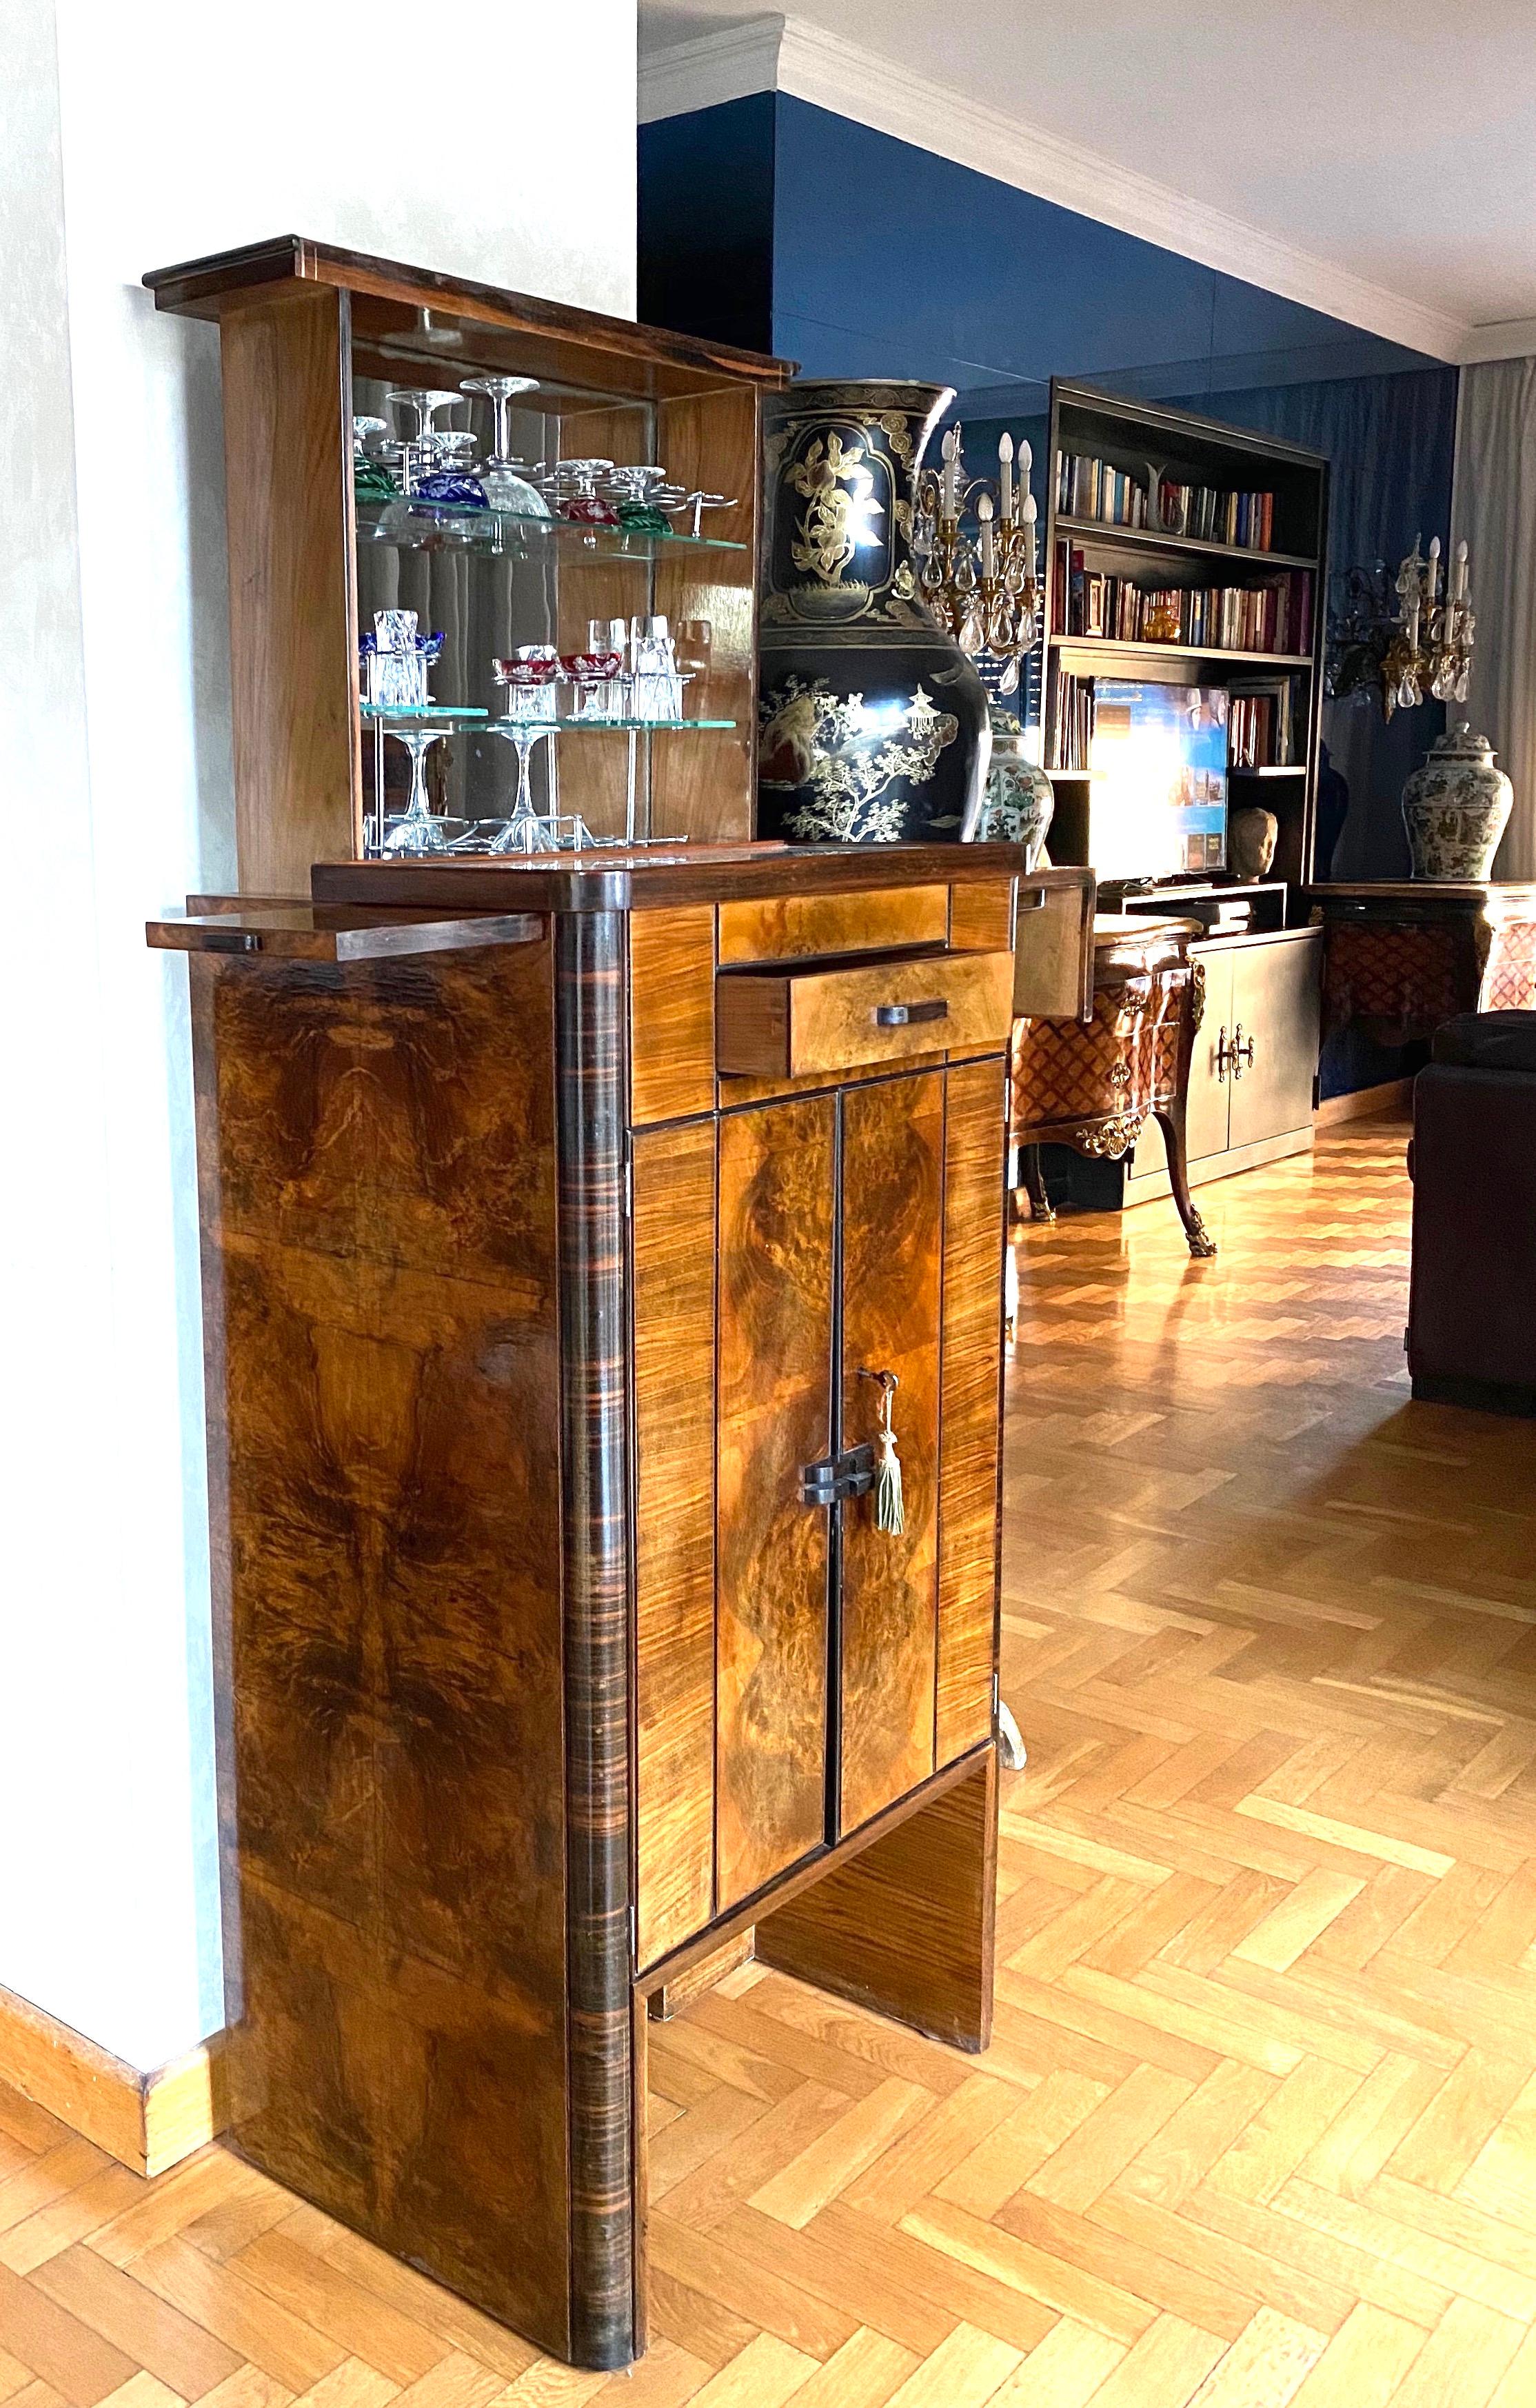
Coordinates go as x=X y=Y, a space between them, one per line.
x=1074 y=722
x=1212 y=516
x=1094 y=489
x=1258 y=730
x=1272 y=618
x=1086 y=488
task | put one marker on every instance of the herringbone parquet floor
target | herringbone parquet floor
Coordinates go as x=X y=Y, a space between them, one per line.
x=1258 y=2124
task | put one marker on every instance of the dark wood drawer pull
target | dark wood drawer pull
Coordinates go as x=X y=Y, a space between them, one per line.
x=900 y=1016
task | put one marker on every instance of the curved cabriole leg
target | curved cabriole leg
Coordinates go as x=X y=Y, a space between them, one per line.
x=1032 y=1180
x=1170 y=1119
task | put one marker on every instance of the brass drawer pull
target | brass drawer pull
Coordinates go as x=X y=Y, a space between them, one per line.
x=901 y=1015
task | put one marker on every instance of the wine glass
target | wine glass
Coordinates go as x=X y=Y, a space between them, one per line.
x=419 y=831
x=505 y=488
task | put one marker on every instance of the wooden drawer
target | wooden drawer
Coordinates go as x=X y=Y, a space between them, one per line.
x=787 y=1025
x=785 y=926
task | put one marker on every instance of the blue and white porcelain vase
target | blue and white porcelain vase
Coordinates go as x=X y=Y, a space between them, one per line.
x=1020 y=799
x=873 y=723
x=1455 y=808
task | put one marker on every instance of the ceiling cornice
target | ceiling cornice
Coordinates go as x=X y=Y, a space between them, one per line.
x=1512 y=338
x=785 y=54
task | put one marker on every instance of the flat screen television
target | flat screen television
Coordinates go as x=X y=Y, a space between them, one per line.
x=1157 y=767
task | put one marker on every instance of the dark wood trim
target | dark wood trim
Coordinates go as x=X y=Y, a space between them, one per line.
x=194 y=288
x=810 y=1868
x=1169 y=421
x=592 y=1086
x=312 y=933
x=662 y=881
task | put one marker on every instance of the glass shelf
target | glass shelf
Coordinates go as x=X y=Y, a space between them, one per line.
x=444 y=715
x=444 y=528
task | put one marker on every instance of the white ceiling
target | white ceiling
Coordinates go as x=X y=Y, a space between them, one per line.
x=1390 y=144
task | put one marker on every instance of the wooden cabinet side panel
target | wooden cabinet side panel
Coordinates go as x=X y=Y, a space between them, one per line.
x=969 y=1407
x=292 y=635
x=907 y=1928
x=675 y=1534
x=776 y=1188
x=981 y=916
x=893 y=1240
x=379 y=1201
x=705 y=786
x=672 y=1013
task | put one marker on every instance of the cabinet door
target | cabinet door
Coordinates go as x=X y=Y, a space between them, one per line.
x=1206 y=1118
x=893 y=1228
x=777 y=1191
x=1275 y=992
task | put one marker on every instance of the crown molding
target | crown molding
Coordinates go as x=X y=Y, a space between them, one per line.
x=701 y=73
x=1512 y=338
x=785 y=54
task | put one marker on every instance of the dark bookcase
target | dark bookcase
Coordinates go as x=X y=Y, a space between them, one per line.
x=1131 y=438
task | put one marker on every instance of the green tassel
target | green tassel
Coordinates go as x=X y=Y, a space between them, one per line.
x=890 y=1510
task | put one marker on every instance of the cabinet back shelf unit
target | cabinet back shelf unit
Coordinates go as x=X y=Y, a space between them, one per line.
x=1149 y=445
x=312 y=335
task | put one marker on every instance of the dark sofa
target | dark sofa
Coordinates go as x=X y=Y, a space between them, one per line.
x=1471 y=1313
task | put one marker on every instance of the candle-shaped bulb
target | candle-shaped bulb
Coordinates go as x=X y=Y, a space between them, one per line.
x=989 y=541
x=1461 y=570
x=951 y=471
x=1025 y=461
x=1005 y=478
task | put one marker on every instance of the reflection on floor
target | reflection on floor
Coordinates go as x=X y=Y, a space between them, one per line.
x=1260 y=2121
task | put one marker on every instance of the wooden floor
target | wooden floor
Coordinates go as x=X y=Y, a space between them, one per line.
x=1259 y=2120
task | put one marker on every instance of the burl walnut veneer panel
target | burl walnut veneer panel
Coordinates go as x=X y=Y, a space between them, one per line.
x=672 y=1013
x=892 y=1223
x=776 y=1200
x=971 y=1406
x=779 y=927
x=907 y=1926
x=674 y=1241
x=981 y=917
x=379 y=1195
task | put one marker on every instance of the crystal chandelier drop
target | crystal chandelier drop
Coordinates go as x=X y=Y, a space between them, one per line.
x=980 y=579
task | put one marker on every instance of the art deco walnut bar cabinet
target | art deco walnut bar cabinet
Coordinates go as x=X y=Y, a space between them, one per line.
x=551 y=1216
x=552 y=1209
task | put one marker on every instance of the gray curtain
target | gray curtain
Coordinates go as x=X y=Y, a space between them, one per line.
x=1496 y=513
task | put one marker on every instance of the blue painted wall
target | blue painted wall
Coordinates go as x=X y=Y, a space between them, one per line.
x=780 y=225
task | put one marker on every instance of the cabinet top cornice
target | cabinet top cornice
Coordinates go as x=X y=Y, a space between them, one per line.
x=206 y=288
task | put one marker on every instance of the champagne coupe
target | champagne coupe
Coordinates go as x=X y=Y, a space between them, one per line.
x=528 y=675
x=419 y=831
x=505 y=488
x=577 y=493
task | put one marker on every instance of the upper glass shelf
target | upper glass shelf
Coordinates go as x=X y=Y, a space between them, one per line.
x=445 y=715
x=440 y=527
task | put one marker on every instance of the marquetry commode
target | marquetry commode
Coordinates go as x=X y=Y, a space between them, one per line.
x=552 y=1210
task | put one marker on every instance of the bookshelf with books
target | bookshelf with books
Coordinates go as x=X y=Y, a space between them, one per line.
x=1179 y=552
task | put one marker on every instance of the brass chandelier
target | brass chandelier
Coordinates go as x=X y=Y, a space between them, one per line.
x=980 y=580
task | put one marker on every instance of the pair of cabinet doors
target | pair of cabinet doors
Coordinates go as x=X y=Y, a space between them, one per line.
x=797 y=1668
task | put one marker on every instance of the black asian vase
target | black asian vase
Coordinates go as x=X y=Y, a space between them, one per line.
x=871 y=722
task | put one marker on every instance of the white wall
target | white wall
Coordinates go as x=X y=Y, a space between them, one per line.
x=129 y=139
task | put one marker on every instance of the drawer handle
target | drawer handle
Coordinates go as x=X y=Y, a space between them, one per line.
x=898 y=1015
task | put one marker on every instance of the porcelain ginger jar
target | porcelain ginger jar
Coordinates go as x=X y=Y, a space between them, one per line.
x=1455 y=808
x=1020 y=798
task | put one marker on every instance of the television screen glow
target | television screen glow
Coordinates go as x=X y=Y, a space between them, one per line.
x=1158 y=771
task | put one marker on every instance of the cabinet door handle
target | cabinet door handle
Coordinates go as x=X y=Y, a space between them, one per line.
x=1241 y=1054
x=1223 y=1056
x=898 y=1015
